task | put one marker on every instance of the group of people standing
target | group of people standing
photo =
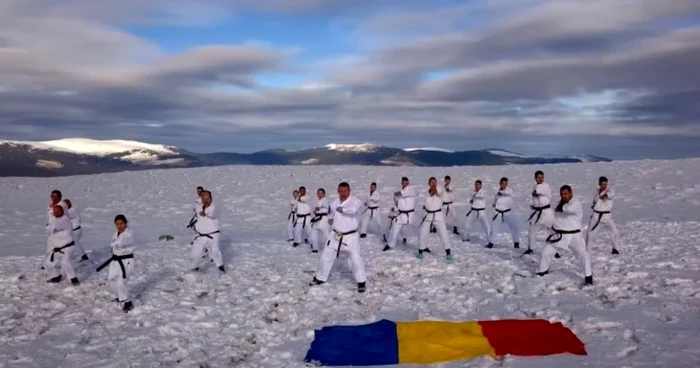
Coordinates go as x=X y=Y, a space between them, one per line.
x=316 y=222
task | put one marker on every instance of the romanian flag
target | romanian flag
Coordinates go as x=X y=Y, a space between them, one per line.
x=425 y=342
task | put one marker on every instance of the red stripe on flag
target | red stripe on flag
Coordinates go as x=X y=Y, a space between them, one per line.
x=536 y=337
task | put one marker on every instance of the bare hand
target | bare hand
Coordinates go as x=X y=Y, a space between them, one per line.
x=339 y=209
x=330 y=221
x=203 y=214
x=397 y=194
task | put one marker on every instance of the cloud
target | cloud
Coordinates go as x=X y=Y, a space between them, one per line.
x=504 y=72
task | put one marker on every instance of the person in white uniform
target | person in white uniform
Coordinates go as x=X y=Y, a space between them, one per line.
x=542 y=215
x=404 y=223
x=477 y=211
x=74 y=217
x=302 y=227
x=602 y=215
x=197 y=205
x=345 y=221
x=292 y=217
x=121 y=264
x=58 y=260
x=208 y=232
x=433 y=218
x=447 y=201
x=319 y=223
x=371 y=213
x=503 y=205
x=566 y=226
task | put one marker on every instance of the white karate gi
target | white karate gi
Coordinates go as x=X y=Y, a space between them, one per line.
x=433 y=218
x=319 y=224
x=447 y=210
x=569 y=220
x=542 y=214
x=208 y=232
x=61 y=242
x=503 y=205
x=50 y=219
x=291 y=219
x=74 y=217
x=344 y=237
x=478 y=213
x=405 y=223
x=602 y=217
x=372 y=214
x=302 y=226
x=123 y=246
x=193 y=220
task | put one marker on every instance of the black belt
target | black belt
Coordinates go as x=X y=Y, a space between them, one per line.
x=371 y=211
x=118 y=259
x=60 y=249
x=292 y=217
x=200 y=235
x=537 y=211
x=428 y=212
x=77 y=228
x=556 y=237
x=403 y=213
x=447 y=211
x=600 y=216
x=303 y=226
x=193 y=220
x=478 y=211
x=318 y=217
x=501 y=213
x=340 y=241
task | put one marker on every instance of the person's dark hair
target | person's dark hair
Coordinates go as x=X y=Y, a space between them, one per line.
x=207 y=192
x=431 y=179
x=478 y=182
x=344 y=185
x=321 y=190
x=57 y=192
x=373 y=183
x=565 y=187
x=121 y=217
x=539 y=172
x=602 y=179
x=202 y=188
x=302 y=187
x=404 y=179
x=504 y=179
x=447 y=177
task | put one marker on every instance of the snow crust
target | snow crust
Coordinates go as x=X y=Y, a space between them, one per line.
x=642 y=312
x=94 y=147
x=364 y=147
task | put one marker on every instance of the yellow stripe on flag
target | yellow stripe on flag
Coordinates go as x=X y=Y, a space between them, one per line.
x=426 y=342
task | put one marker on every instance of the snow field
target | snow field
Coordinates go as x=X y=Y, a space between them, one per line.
x=642 y=311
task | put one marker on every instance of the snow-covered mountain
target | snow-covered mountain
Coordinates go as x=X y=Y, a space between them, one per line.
x=73 y=156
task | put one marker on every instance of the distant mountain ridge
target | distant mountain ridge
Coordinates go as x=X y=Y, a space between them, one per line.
x=76 y=156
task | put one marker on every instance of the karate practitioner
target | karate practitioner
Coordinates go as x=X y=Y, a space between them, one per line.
x=503 y=204
x=303 y=220
x=197 y=204
x=477 y=211
x=393 y=213
x=404 y=223
x=433 y=218
x=74 y=217
x=447 y=200
x=319 y=224
x=542 y=215
x=345 y=220
x=121 y=264
x=566 y=225
x=371 y=213
x=56 y=200
x=292 y=217
x=601 y=216
x=58 y=259
x=208 y=231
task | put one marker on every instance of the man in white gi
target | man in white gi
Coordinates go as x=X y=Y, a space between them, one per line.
x=197 y=204
x=344 y=220
x=121 y=264
x=319 y=224
x=74 y=217
x=601 y=216
x=404 y=223
x=503 y=204
x=542 y=215
x=292 y=217
x=433 y=218
x=447 y=200
x=371 y=213
x=566 y=226
x=58 y=259
x=303 y=218
x=477 y=211
x=208 y=231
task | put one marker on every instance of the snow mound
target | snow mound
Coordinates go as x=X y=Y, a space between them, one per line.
x=504 y=153
x=434 y=149
x=364 y=147
x=84 y=146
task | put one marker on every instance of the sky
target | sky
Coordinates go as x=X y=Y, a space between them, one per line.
x=617 y=78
